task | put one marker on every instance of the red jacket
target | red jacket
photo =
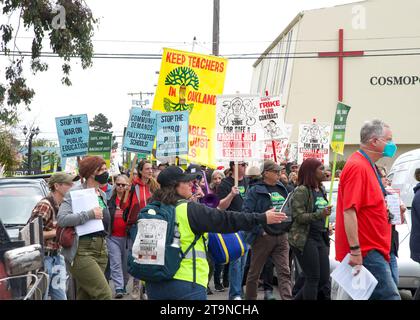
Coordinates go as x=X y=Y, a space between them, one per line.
x=138 y=202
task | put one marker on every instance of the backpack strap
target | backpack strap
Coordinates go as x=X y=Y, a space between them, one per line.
x=191 y=247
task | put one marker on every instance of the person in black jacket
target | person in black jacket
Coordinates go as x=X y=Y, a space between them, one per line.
x=117 y=240
x=415 y=226
x=268 y=240
x=177 y=185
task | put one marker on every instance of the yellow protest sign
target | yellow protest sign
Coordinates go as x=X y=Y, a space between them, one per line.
x=191 y=82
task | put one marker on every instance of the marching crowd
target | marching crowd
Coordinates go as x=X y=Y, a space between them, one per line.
x=206 y=200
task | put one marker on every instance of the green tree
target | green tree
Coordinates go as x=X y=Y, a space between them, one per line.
x=8 y=151
x=44 y=143
x=100 y=123
x=68 y=26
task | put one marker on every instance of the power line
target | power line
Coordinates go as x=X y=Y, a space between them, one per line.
x=244 y=41
x=241 y=56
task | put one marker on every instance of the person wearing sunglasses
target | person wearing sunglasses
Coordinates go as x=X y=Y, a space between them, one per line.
x=117 y=241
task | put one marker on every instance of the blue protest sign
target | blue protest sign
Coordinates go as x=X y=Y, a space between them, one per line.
x=172 y=134
x=141 y=131
x=73 y=135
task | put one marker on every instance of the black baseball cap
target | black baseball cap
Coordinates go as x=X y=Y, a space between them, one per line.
x=172 y=175
x=196 y=169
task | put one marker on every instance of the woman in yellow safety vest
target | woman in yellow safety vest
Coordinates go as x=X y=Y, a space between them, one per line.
x=190 y=282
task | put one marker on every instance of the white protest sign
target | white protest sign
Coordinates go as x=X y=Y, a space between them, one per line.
x=393 y=203
x=314 y=142
x=292 y=152
x=271 y=118
x=149 y=245
x=280 y=146
x=238 y=130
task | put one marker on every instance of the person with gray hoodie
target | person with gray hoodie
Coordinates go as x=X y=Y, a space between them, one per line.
x=88 y=256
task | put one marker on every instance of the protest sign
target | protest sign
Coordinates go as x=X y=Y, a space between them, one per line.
x=238 y=131
x=280 y=145
x=271 y=118
x=339 y=133
x=73 y=135
x=100 y=144
x=314 y=142
x=141 y=131
x=190 y=82
x=172 y=134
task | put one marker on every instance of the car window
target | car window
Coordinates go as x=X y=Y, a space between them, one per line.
x=17 y=202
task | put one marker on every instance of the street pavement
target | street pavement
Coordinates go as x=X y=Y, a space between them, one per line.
x=405 y=294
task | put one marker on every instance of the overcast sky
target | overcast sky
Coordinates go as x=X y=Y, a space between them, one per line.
x=145 y=26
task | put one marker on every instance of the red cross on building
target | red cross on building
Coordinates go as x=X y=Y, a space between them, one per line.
x=341 y=54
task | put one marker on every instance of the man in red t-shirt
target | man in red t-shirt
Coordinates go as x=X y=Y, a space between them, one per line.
x=362 y=223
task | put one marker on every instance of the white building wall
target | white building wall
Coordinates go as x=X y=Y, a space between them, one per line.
x=313 y=82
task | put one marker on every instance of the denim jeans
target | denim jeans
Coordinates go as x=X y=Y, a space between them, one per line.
x=175 y=290
x=380 y=268
x=55 y=267
x=117 y=252
x=394 y=268
x=236 y=273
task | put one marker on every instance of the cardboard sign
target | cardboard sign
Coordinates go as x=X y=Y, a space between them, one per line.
x=141 y=131
x=100 y=144
x=190 y=82
x=281 y=146
x=238 y=131
x=271 y=118
x=172 y=134
x=314 y=142
x=339 y=133
x=73 y=135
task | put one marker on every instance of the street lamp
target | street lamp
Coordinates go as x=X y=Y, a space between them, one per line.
x=33 y=133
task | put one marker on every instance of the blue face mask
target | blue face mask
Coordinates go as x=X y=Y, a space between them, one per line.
x=390 y=149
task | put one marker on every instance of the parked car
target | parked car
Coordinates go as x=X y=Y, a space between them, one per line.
x=402 y=175
x=17 y=199
x=18 y=196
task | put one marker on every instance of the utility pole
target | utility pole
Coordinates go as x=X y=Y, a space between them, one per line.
x=216 y=20
x=193 y=44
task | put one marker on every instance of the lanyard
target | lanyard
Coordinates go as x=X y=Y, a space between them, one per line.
x=376 y=172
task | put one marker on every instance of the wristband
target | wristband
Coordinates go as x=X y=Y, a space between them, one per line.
x=354 y=247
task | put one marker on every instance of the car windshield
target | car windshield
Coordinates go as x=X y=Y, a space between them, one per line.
x=17 y=202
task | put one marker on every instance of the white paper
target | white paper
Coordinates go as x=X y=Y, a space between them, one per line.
x=149 y=246
x=82 y=201
x=393 y=203
x=359 y=287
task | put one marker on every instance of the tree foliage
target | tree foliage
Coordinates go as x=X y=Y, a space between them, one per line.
x=100 y=123
x=183 y=76
x=8 y=151
x=69 y=38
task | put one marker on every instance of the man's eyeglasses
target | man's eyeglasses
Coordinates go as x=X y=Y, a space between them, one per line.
x=121 y=184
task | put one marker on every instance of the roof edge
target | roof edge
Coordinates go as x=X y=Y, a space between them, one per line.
x=281 y=36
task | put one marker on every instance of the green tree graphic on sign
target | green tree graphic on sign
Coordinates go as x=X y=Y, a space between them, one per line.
x=183 y=77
